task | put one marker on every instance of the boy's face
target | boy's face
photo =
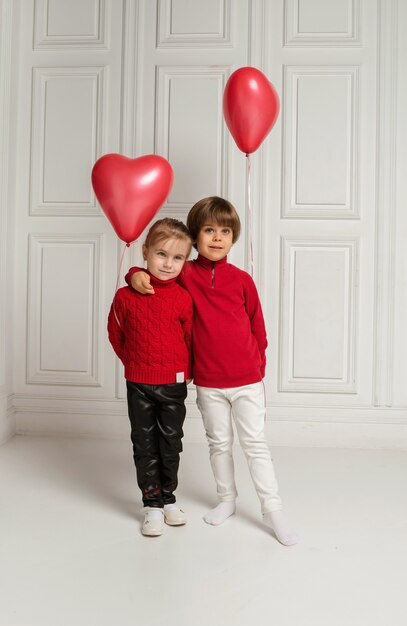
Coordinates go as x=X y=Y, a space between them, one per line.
x=214 y=242
x=166 y=259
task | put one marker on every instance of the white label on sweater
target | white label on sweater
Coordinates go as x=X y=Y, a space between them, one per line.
x=180 y=377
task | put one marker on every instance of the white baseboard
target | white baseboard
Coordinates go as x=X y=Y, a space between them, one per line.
x=335 y=427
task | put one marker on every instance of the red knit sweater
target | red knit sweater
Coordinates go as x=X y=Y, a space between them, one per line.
x=229 y=335
x=153 y=340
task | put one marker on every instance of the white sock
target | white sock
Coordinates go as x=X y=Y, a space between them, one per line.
x=170 y=507
x=277 y=522
x=220 y=513
x=154 y=514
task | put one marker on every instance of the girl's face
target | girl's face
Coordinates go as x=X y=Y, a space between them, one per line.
x=214 y=242
x=166 y=259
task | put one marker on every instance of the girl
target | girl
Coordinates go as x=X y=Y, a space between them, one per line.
x=152 y=338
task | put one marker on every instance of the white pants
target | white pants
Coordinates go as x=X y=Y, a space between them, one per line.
x=247 y=406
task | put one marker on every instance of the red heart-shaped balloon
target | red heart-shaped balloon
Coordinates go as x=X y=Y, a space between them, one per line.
x=250 y=107
x=131 y=191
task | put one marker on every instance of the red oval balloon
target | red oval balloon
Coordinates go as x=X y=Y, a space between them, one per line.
x=250 y=106
x=131 y=191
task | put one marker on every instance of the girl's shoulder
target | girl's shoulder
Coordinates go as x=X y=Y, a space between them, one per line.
x=122 y=292
x=126 y=294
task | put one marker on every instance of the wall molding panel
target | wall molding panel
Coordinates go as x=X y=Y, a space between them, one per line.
x=70 y=29
x=316 y=24
x=62 y=314
x=183 y=93
x=59 y=95
x=218 y=33
x=331 y=160
x=318 y=311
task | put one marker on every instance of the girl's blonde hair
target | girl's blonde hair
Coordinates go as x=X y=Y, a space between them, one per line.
x=167 y=228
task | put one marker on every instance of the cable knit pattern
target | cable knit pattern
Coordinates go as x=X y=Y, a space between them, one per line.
x=153 y=340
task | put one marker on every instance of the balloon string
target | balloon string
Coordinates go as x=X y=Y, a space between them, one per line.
x=250 y=214
x=117 y=282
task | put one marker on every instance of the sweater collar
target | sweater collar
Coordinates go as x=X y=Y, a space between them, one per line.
x=161 y=284
x=208 y=263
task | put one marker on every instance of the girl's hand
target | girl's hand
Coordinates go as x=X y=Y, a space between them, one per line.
x=140 y=281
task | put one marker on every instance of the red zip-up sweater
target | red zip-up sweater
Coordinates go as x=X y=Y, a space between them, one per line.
x=152 y=336
x=229 y=335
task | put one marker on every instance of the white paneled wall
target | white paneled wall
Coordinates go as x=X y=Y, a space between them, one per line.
x=329 y=200
x=70 y=113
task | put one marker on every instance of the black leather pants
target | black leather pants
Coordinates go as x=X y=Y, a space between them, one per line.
x=156 y=413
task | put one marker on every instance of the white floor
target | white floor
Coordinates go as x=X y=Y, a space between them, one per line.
x=71 y=552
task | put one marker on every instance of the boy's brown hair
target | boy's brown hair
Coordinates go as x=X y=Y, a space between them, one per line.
x=213 y=210
x=167 y=228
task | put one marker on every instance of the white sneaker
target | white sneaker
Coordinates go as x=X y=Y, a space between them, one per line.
x=174 y=516
x=153 y=524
